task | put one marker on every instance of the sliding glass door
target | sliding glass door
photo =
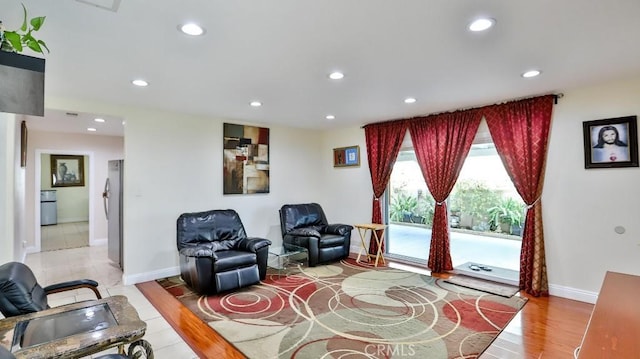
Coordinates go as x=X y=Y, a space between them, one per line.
x=486 y=213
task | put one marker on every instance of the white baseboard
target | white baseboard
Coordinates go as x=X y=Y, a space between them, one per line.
x=573 y=293
x=99 y=242
x=71 y=220
x=149 y=276
x=30 y=250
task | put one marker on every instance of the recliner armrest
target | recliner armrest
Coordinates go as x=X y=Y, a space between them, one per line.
x=74 y=284
x=304 y=232
x=199 y=251
x=253 y=244
x=338 y=228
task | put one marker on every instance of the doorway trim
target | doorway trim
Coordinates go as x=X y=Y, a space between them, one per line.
x=37 y=188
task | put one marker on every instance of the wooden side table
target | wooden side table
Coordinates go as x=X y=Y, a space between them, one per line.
x=373 y=228
x=614 y=327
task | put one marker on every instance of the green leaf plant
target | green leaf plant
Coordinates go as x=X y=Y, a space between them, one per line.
x=509 y=211
x=17 y=40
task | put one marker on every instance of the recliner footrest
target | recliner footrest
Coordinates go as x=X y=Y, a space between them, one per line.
x=237 y=278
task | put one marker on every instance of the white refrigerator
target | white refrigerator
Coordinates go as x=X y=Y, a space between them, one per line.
x=112 y=197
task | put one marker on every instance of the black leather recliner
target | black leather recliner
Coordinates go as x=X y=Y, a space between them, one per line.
x=215 y=253
x=306 y=225
x=20 y=292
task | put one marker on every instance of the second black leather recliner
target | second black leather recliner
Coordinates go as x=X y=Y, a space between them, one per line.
x=215 y=253
x=306 y=225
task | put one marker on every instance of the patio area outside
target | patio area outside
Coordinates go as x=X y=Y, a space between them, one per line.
x=411 y=241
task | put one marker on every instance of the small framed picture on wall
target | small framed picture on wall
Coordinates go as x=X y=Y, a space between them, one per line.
x=611 y=142
x=346 y=156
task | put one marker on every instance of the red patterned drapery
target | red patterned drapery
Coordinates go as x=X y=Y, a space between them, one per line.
x=520 y=132
x=441 y=143
x=383 y=144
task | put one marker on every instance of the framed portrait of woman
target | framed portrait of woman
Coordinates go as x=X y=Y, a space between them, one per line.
x=611 y=142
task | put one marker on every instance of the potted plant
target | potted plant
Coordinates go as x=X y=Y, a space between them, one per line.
x=472 y=200
x=402 y=207
x=509 y=213
x=22 y=90
x=18 y=40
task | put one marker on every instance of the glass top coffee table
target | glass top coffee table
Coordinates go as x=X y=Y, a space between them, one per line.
x=282 y=257
x=75 y=330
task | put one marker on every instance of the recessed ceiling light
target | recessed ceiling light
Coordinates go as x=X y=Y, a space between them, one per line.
x=99 y=119
x=336 y=75
x=140 y=82
x=91 y=129
x=330 y=117
x=531 y=73
x=256 y=103
x=482 y=24
x=191 y=29
x=409 y=100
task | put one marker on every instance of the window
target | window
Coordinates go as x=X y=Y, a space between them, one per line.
x=486 y=213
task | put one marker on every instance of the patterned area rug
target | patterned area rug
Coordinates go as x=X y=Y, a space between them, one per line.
x=348 y=310
x=500 y=289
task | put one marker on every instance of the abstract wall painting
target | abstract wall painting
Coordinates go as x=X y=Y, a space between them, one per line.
x=246 y=159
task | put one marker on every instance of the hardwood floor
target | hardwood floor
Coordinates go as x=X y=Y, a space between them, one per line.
x=203 y=340
x=547 y=327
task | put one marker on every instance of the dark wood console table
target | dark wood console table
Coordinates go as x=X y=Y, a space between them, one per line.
x=614 y=328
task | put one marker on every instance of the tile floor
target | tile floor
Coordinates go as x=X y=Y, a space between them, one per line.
x=92 y=262
x=64 y=236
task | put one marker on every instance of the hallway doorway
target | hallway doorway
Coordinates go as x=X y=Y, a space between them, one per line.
x=73 y=227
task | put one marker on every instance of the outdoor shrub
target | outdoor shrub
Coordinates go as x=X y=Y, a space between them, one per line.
x=509 y=211
x=473 y=198
x=402 y=204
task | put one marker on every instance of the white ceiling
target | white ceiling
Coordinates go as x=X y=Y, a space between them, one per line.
x=281 y=51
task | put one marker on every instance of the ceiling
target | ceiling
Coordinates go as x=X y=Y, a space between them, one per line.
x=280 y=53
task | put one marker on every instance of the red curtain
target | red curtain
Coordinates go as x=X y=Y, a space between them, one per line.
x=520 y=131
x=441 y=143
x=383 y=144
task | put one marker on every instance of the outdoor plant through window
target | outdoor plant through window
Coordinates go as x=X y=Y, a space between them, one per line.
x=411 y=208
x=510 y=213
x=409 y=198
x=483 y=199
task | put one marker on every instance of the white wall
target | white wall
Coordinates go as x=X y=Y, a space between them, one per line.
x=19 y=195
x=12 y=193
x=581 y=207
x=347 y=191
x=7 y=153
x=174 y=164
x=99 y=148
x=185 y=175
